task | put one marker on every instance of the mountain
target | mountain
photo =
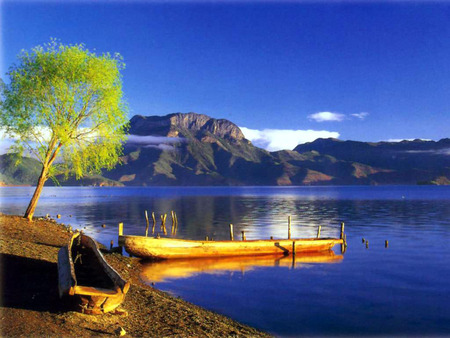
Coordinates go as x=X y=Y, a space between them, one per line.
x=192 y=149
x=195 y=149
x=406 y=162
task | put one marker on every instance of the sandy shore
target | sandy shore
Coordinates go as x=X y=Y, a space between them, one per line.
x=30 y=306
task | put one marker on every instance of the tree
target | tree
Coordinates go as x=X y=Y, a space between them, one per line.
x=64 y=104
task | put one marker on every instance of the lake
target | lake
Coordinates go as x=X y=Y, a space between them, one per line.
x=403 y=289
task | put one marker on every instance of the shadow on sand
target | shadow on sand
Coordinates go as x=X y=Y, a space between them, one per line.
x=30 y=284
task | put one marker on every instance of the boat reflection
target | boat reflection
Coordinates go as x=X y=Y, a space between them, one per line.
x=160 y=271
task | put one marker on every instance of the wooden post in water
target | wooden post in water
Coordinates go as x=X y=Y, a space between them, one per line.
x=120 y=234
x=163 y=223
x=342 y=230
x=176 y=223
x=154 y=222
x=293 y=248
x=147 y=222
x=231 y=232
x=318 y=231
x=289 y=227
x=243 y=235
x=386 y=243
x=173 y=222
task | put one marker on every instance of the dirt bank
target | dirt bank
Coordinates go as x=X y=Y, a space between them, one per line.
x=29 y=303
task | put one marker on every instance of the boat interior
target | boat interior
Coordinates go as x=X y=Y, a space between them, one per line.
x=88 y=269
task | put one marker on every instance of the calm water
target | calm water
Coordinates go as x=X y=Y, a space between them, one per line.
x=400 y=290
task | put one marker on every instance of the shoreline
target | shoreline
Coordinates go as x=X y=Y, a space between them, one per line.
x=30 y=306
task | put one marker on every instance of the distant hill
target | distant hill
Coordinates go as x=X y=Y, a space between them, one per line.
x=194 y=149
x=24 y=172
x=27 y=171
x=406 y=162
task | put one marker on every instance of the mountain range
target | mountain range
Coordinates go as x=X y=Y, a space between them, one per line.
x=194 y=149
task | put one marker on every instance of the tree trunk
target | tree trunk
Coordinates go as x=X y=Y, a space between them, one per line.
x=37 y=193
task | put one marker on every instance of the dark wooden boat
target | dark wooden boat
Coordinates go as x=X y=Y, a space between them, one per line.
x=84 y=275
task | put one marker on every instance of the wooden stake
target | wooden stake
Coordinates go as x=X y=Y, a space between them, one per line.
x=386 y=243
x=342 y=230
x=367 y=244
x=243 y=235
x=318 y=231
x=120 y=229
x=176 y=222
x=231 y=232
x=293 y=248
x=154 y=222
x=289 y=227
x=163 y=223
x=173 y=221
x=148 y=223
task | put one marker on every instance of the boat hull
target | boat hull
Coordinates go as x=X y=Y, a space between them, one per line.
x=84 y=275
x=170 y=248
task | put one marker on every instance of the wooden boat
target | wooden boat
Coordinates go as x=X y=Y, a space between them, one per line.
x=84 y=274
x=168 y=248
x=159 y=271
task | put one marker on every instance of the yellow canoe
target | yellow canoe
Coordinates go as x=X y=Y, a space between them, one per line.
x=169 y=248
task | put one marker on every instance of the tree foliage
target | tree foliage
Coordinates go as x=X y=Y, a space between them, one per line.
x=63 y=101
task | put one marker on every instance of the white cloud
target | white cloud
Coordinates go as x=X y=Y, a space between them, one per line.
x=280 y=139
x=158 y=142
x=326 y=116
x=153 y=140
x=361 y=116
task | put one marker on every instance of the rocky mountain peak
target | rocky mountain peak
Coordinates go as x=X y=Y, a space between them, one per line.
x=179 y=124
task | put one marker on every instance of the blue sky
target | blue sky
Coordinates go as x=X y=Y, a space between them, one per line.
x=357 y=70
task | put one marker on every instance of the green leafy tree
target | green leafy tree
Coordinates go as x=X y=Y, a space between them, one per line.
x=64 y=104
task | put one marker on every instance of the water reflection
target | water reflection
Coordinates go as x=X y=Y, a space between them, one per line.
x=184 y=268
